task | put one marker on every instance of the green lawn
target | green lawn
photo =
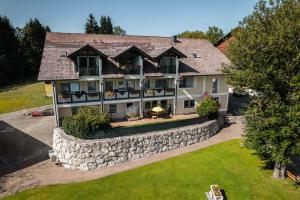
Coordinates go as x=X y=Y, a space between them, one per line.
x=233 y=167
x=18 y=97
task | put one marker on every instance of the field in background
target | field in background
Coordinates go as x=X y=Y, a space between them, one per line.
x=22 y=96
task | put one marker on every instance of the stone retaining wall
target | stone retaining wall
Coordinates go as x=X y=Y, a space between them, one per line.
x=82 y=154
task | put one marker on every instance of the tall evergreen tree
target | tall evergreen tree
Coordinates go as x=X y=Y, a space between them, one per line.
x=106 y=26
x=33 y=38
x=10 y=56
x=214 y=33
x=266 y=59
x=91 y=25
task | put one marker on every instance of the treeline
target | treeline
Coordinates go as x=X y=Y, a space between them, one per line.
x=20 y=50
x=105 y=26
x=213 y=34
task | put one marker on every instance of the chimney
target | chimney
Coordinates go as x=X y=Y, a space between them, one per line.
x=174 y=39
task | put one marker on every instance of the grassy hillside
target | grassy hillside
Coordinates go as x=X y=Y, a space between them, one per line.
x=240 y=173
x=18 y=97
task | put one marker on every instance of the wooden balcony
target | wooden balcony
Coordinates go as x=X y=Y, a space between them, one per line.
x=121 y=94
x=78 y=97
x=159 y=92
x=82 y=97
x=88 y=71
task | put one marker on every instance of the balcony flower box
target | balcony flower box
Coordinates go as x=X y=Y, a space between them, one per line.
x=149 y=92
x=110 y=93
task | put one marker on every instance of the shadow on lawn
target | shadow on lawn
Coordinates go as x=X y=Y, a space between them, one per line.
x=17 y=84
x=224 y=194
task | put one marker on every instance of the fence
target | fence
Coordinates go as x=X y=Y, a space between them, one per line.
x=125 y=131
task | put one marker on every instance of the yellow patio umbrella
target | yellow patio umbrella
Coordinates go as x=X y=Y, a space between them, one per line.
x=158 y=109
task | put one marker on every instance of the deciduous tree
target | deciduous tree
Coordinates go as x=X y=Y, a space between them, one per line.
x=213 y=34
x=119 y=31
x=266 y=58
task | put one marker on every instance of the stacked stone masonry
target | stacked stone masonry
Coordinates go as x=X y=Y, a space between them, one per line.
x=81 y=154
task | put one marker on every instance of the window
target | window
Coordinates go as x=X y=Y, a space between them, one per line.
x=147 y=105
x=187 y=82
x=82 y=61
x=189 y=103
x=154 y=104
x=75 y=87
x=112 y=108
x=147 y=84
x=163 y=104
x=92 y=86
x=168 y=65
x=158 y=84
x=215 y=83
x=109 y=86
x=131 y=84
x=87 y=65
x=65 y=88
x=122 y=85
x=92 y=62
x=161 y=83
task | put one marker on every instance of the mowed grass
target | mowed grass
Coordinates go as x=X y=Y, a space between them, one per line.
x=234 y=168
x=18 y=97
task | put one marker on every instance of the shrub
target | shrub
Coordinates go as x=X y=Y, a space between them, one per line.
x=208 y=107
x=74 y=126
x=86 y=120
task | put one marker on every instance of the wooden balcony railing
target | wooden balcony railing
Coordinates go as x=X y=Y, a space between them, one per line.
x=121 y=94
x=78 y=97
x=88 y=71
x=81 y=97
x=159 y=92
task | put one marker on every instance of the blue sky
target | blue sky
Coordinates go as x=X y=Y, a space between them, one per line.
x=137 y=17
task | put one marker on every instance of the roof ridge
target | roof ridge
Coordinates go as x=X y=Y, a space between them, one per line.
x=120 y=36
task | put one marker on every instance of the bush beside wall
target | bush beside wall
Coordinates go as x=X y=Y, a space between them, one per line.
x=86 y=120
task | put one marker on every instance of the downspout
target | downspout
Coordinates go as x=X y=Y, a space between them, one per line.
x=176 y=85
x=100 y=83
x=141 y=86
x=54 y=100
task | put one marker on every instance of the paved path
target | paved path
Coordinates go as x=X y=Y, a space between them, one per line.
x=45 y=172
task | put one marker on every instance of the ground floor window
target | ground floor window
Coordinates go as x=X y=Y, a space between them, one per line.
x=112 y=108
x=147 y=105
x=154 y=104
x=163 y=104
x=189 y=103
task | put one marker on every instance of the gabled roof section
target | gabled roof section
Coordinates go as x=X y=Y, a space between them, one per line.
x=87 y=48
x=121 y=52
x=55 y=65
x=171 y=49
